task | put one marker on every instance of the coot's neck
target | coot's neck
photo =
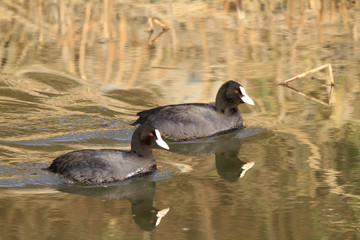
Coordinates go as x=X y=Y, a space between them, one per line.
x=224 y=105
x=141 y=150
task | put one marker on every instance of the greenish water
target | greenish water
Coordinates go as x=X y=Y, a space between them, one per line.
x=74 y=81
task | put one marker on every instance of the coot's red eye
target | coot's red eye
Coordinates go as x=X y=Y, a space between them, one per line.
x=151 y=134
x=236 y=91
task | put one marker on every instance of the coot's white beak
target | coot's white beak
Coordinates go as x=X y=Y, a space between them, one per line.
x=159 y=141
x=246 y=98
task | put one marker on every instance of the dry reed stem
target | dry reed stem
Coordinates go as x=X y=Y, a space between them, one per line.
x=328 y=65
x=151 y=25
x=163 y=26
x=151 y=22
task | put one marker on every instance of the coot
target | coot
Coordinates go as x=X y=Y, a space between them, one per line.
x=102 y=166
x=197 y=120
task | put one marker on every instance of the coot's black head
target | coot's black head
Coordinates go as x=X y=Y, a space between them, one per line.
x=146 y=137
x=234 y=92
x=230 y=95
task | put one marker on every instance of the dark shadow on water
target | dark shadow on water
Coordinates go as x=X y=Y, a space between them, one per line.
x=140 y=194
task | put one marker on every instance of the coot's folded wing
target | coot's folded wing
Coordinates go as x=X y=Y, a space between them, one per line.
x=190 y=112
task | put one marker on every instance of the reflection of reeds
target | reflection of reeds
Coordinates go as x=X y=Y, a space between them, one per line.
x=84 y=38
x=121 y=47
x=108 y=48
x=93 y=31
x=313 y=98
x=152 y=40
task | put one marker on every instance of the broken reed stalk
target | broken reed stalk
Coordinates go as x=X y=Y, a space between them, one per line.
x=163 y=26
x=151 y=22
x=328 y=65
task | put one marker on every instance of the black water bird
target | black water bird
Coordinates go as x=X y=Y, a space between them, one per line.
x=102 y=166
x=197 y=120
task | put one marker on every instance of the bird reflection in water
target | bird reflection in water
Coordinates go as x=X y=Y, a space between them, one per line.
x=226 y=149
x=140 y=194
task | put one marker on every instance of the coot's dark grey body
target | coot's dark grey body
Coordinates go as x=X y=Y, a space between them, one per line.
x=108 y=165
x=198 y=120
x=189 y=121
x=101 y=166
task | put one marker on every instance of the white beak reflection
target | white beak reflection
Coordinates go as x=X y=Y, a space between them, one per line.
x=160 y=215
x=246 y=167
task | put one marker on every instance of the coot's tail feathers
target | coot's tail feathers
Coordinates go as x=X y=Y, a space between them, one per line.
x=143 y=115
x=142 y=118
x=50 y=168
x=137 y=122
x=57 y=165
